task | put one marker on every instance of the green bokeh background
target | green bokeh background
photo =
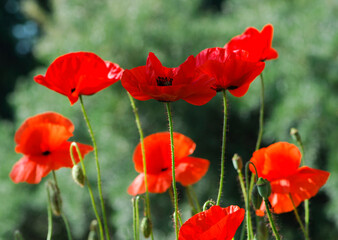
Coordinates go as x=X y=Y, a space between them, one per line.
x=301 y=91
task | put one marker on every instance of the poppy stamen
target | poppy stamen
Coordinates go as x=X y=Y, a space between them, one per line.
x=45 y=153
x=164 y=81
x=164 y=169
x=232 y=87
x=72 y=90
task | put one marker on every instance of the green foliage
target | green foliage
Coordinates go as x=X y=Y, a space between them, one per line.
x=301 y=91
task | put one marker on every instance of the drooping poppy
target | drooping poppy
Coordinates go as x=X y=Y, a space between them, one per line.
x=188 y=170
x=79 y=73
x=257 y=44
x=231 y=70
x=279 y=163
x=215 y=223
x=154 y=81
x=42 y=139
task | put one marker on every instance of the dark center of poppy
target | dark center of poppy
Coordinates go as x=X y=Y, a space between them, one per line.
x=72 y=90
x=232 y=87
x=45 y=153
x=164 y=81
x=164 y=169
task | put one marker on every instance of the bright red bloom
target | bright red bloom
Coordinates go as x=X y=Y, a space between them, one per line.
x=154 y=81
x=257 y=44
x=188 y=170
x=42 y=139
x=215 y=223
x=79 y=73
x=232 y=70
x=279 y=163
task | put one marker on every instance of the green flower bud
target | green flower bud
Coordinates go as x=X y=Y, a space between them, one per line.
x=93 y=231
x=78 y=175
x=295 y=134
x=55 y=198
x=237 y=162
x=256 y=198
x=17 y=235
x=264 y=187
x=146 y=227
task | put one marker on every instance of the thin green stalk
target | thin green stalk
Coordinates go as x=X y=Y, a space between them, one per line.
x=209 y=202
x=250 y=234
x=241 y=182
x=67 y=226
x=272 y=224
x=261 y=115
x=74 y=144
x=306 y=236
x=173 y=167
x=136 y=218
x=50 y=220
x=99 y=184
x=191 y=201
x=194 y=197
x=139 y=128
x=223 y=148
x=62 y=215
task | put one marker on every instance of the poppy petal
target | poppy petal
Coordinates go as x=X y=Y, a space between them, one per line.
x=190 y=170
x=215 y=223
x=157 y=183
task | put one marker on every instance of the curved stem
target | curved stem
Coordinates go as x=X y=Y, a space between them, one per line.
x=191 y=201
x=74 y=144
x=306 y=236
x=50 y=220
x=173 y=167
x=194 y=197
x=67 y=226
x=99 y=184
x=272 y=224
x=223 y=148
x=139 y=128
x=209 y=202
x=261 y=115
x=136 y=218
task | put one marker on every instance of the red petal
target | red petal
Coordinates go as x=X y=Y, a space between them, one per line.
x=190 y=170
x=158 y=152
x=157 y=183
x=26 y=170
x=278 y=161
x=215 y=223
x=79 y=73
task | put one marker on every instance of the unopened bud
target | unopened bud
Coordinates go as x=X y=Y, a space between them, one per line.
x=78 y=175
x=93 y=231
x=237 y=162
x=55 y=198
x=264 y=188
x=146 y=227
x=256 y=198
x=17 y=235
x=295 y=134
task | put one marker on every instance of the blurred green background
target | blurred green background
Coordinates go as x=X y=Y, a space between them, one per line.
x=301 y=91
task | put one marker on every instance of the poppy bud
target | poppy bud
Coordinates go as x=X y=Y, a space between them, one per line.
x=264 y=188
x=78 y=175
x=17 y=235
x=93 y=231
x=262 y=230
x=146 y=227
x=295 y=134
x=237 y=162
x=256 y=199
x=55 y=199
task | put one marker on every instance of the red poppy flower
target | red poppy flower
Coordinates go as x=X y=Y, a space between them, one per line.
x=79 y=73
x=258 y=44
x=279 y=163
x=188 y=170
x=42 y=139
x=232 y=70
x=154 y=81
x=216 y=223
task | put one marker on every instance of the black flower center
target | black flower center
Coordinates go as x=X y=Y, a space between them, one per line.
x=72 y=90
x=45 y=153
x=164 y=169
x=232 y=87
x=164 y=81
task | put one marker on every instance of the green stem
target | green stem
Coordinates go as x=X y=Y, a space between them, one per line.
x=223 y=147
x=306 y=236
x=209 y=202
x=191 y=201
x=99 y=185
x=67 y=226
x=173 y=167
x=194 y=197
x=50 y=220
x=247 y=206
x=74 y=144
x=136 y=218
x=139 y=128
x=261 y=115
x=241 y=182
x=272 y=224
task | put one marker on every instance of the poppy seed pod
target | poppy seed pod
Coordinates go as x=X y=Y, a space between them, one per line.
x=237 y=162
x=256 y=198
x=146 y=227
x=264 y=188
x=78 y=175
